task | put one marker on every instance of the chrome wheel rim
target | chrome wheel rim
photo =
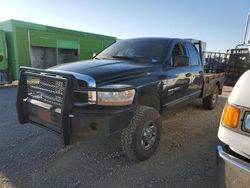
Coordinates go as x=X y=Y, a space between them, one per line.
x=149 y=132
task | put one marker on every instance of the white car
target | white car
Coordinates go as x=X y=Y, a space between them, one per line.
x=234 y=132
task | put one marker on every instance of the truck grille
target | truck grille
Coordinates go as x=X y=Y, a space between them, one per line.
x=47 y=89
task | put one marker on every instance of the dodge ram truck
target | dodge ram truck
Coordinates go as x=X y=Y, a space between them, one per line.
x=124 y=88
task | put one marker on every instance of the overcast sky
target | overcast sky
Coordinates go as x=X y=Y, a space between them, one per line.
x=221 y=23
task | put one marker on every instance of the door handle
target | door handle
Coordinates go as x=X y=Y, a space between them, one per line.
x=188 y=74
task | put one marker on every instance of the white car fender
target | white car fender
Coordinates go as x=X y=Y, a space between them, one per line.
x=241 y=92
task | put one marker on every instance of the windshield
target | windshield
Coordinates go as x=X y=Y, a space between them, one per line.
x=138 y=50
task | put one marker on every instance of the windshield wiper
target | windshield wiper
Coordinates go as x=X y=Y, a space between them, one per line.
x=122 y=57
x=135 y=58
x=115 y=57
x=102 y=58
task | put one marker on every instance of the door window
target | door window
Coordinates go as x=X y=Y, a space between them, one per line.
x=179 y=50
x=193 y=55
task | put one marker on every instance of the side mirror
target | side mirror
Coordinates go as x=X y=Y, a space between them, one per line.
x=181 y=61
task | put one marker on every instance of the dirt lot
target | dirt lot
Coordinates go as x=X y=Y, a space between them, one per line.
x=32 y=157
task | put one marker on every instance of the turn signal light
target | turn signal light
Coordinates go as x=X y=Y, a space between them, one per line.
x=230 y=116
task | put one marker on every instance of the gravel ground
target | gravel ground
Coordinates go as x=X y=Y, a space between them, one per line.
x=33 y=157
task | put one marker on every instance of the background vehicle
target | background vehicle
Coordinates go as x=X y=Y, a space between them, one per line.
x=125 y=87
x=40 y=46
x=237 y=64
x=234 y=63
x=239 y=58
x=234 y=132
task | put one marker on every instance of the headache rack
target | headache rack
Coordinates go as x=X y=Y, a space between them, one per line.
x=45 y=98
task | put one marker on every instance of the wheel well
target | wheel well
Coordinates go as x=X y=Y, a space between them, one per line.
x=151 y=100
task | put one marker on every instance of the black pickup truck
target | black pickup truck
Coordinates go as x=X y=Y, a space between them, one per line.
x=124 y=88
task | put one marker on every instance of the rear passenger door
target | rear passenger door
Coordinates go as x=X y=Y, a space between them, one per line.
x=196 y=70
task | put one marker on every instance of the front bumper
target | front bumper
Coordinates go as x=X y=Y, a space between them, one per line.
x=232 y=170
x=45 y=98
x=94 y=124
x=84 y=124
x=233 y=160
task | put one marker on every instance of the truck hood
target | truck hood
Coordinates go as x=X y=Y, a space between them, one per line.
x=106 y=70
x=240 y=92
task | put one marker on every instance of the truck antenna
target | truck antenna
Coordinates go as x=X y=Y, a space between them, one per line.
x=246 y=36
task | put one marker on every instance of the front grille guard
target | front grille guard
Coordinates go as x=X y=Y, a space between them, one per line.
x=66 y=104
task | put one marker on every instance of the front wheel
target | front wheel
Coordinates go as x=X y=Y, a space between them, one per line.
x=141 y=138
x=210 y=101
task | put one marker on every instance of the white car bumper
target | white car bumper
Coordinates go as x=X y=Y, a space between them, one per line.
x=233 y=160
x=231 y=171
x=238 y=142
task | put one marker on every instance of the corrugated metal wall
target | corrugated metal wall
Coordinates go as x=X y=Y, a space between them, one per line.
x=33 y=42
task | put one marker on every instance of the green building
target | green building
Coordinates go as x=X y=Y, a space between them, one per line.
x=40 y=46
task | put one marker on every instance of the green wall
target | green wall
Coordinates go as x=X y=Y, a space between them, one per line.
x=3 y=50
x=22 y=35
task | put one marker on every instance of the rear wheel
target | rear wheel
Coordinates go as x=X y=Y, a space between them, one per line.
x=141 y=138
x=210 y=101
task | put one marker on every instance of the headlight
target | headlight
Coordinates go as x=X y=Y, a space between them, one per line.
x=117 y=98
x=247 y=123
x=230 y=116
